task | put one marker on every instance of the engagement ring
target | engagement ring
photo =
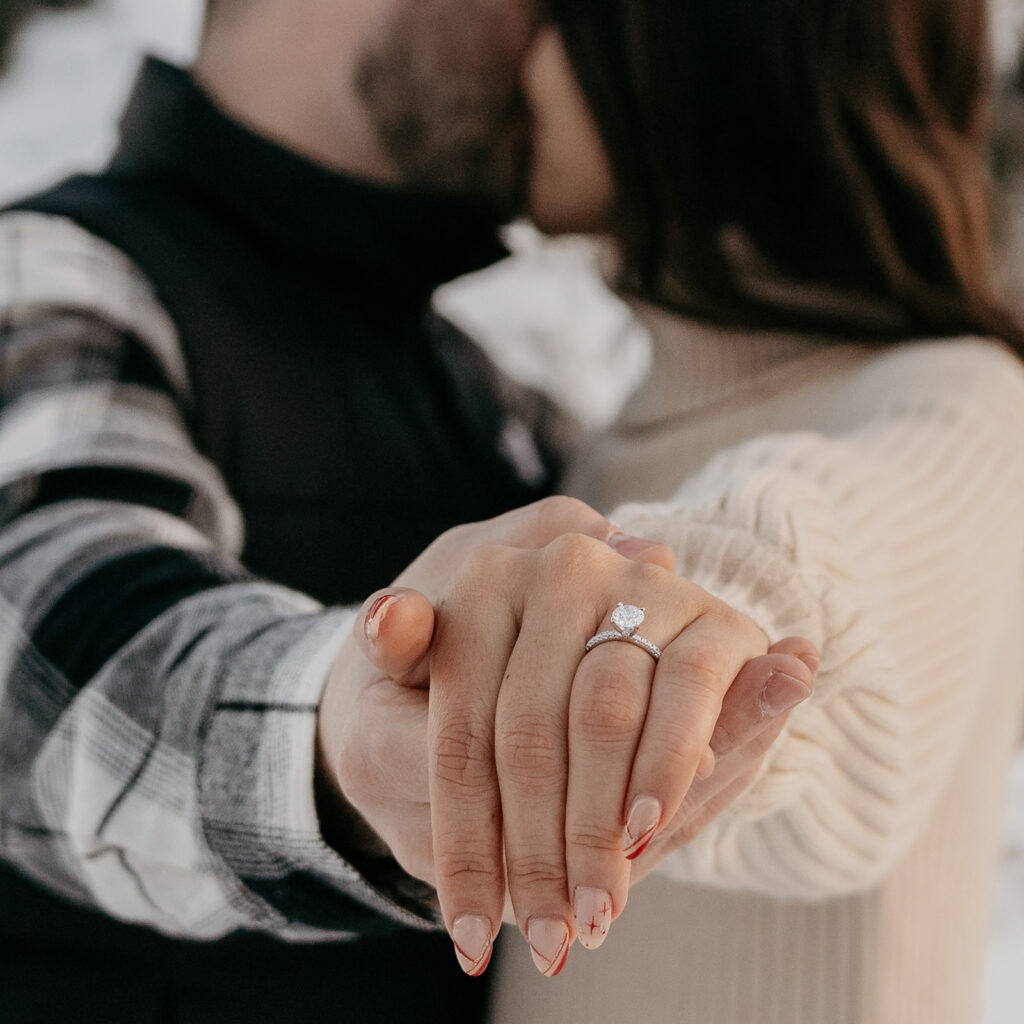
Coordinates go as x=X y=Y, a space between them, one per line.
x=626 y=619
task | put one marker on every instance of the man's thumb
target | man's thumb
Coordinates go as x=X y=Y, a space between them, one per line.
x=394 y=629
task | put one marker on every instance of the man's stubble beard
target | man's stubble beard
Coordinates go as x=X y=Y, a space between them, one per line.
x=441 y=85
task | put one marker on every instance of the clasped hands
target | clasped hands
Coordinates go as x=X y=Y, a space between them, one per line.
x=516 y=773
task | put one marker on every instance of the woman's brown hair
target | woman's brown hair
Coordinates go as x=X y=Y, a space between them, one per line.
x=816 y=164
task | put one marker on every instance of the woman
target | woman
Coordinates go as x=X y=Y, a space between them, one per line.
x=831 y=439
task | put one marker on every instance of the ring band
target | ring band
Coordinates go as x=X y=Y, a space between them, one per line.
x=641 y=641
x=626 y=619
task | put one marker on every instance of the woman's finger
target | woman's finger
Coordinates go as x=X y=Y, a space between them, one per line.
x=533 y=764
x=610 y=696
x=690 y=684
x=743 y=762
x=474 y=634
x=684 y=828
x=754 y=712
x=612 y=710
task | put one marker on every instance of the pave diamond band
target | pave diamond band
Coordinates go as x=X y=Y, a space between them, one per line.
x=626 y=618
x=641 y=641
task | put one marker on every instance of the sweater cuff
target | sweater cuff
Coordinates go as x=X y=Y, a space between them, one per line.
x=258 y=801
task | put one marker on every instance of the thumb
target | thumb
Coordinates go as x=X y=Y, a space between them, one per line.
x=394 y=629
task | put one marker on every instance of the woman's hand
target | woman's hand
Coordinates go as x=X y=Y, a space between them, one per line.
x=550 y=768
x=380 y=749
x=371 y=772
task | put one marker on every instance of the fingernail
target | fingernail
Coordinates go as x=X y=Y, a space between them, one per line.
x=643 y=819
x=593 y=909
x=781 y=693
x=473 y=944
x=549 y=944
x=377 y=614
x=630 y=547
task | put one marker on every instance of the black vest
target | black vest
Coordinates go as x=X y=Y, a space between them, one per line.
x=353 y=426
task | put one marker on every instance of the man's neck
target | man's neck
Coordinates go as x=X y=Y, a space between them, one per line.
x=287 y=71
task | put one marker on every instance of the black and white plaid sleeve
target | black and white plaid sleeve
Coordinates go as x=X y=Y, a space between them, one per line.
x=157 y=703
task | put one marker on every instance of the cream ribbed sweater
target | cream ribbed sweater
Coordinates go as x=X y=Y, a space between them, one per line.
x=873 y=501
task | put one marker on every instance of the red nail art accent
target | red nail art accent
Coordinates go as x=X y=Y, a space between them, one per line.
x=482 y=966
x=549 y=944
x=643 y=821
x=558 y=969
x=593 y=910
x=471 y=935
x=633 y=854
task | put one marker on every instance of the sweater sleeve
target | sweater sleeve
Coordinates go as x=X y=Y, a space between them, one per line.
x=891 y=536
x=157 y=701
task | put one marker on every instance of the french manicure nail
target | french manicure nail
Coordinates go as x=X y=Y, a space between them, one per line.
x=593 y=909
x=473 y=944
x=549 y=944
x=781 y=693
x=644 y=816
x=377 y=615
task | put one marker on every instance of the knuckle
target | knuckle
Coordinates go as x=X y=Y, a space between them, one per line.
x=594 y=838
x=678 y=751
x=529 y=749
x=574 y=556
x=455 y=538
x=537 y=871
x=463 y=757
x=653 y=577
x=699 y=667
x=478 y=567
x=742 y=629
x=465 y=863
x=560 y=510
x=609 y=708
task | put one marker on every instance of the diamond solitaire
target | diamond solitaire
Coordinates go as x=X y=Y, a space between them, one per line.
x=627 y=618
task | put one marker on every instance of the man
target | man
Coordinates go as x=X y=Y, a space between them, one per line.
x=220 y=369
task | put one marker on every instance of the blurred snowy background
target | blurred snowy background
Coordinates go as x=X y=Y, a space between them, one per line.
x=67 y=78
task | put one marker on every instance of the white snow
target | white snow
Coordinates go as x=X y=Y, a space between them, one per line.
x=58 y=109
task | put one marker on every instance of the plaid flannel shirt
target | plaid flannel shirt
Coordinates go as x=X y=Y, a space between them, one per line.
x=157 y=702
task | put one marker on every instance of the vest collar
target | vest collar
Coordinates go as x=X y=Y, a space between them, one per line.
x=399 y=243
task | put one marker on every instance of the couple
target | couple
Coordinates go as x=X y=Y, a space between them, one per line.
x=225 y=396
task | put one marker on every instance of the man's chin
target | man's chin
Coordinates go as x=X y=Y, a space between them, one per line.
x=493 y=177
